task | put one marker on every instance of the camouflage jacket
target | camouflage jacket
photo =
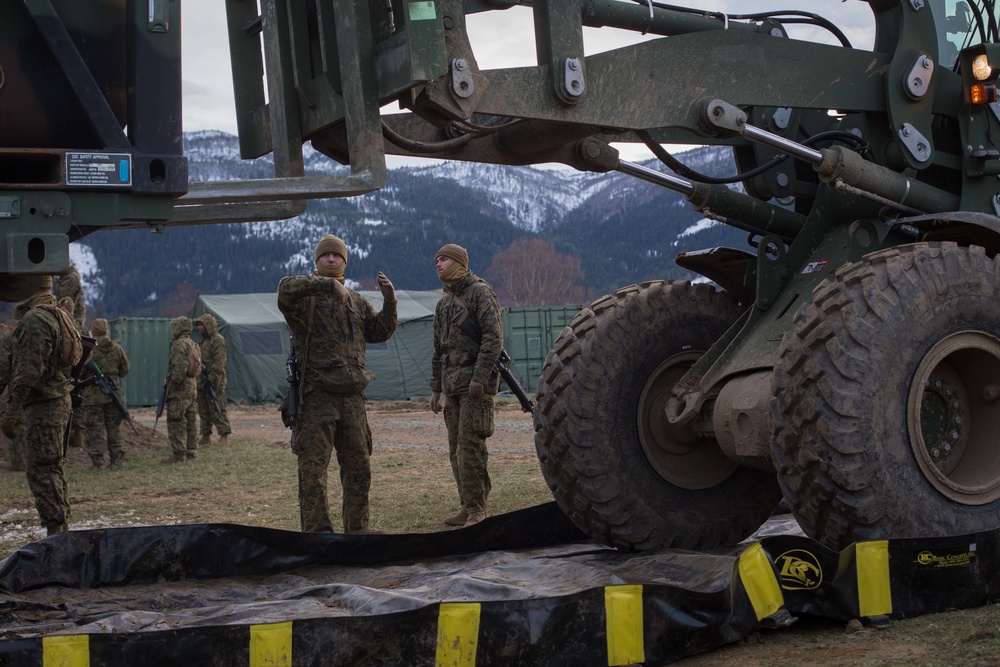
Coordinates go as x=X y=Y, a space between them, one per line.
x=110 y=358
x=6 y=355
x=179 y=385
x=213 y=351
x=36 y=375
x=458 y=358
x=69 y=285
x=335 y=358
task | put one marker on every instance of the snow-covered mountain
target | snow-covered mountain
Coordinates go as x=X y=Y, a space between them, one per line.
x=622 y=230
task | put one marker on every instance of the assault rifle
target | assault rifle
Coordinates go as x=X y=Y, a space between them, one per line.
x=108 y=387
x=292 y=370
x=207 y=387
x=501 y=365
x=75 y=398
x=161 y=403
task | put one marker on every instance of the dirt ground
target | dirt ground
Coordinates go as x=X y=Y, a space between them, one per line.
x=970 y=637
x=407 y=424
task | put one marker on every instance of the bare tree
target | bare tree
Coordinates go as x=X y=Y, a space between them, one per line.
x=532 y=273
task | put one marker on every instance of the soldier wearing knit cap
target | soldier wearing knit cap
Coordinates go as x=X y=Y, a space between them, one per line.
x=213 y=360
x=99 y=417
x=462 y=370
x=331 y=326
x=39 y=392
x=182 y=393
x=69 y=285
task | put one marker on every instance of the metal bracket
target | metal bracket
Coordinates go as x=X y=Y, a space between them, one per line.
x=573 y=81
x=782 y=116
x=462 y=83
x=915 y=142
x=917 y=5
x=918 y=80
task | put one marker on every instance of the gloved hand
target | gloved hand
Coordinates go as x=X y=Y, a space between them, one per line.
x=436 y=402
x=475 y=389
x=9 y=422
x=388 y=291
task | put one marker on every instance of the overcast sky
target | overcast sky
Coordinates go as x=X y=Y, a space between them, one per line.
x=499 y=39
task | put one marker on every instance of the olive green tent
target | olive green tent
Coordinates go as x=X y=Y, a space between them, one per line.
x=257 y=345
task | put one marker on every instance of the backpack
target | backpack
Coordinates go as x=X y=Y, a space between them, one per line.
x=194 y=359
x=70 y=347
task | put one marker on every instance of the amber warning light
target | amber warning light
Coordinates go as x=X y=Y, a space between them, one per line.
x=983 y=93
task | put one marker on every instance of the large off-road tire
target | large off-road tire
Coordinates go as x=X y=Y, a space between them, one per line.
x=887 y=408
x=616 y=467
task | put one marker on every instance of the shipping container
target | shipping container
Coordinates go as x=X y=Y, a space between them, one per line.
x=146 y=341
x=529 y=333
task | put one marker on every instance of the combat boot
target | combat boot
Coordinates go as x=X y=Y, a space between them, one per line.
x=458 y=519
x=475 y=516
x=191 y=454
x=58 y=528
x=206 y=439
x=223 y=440
x=116 y=462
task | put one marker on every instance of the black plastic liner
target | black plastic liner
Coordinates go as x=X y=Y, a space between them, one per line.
x=527 y=587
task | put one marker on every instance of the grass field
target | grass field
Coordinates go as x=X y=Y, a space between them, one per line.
x=253 y=482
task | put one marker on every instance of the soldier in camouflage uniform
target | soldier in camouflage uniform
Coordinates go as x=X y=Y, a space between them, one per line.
x=6 y=367
x=213 y=356
x=99 y=416
x=331 y=325
x=182 y=391
x=40 y=389
x=69 y=285
x=462 y=370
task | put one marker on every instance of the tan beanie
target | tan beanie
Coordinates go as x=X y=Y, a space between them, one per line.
x=99 y=327
x=46 y=283
x=455 y=253
x=330 y=243
x=459 y=266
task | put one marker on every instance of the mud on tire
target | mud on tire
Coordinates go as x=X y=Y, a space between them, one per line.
x=607 y=378
x=886 y=415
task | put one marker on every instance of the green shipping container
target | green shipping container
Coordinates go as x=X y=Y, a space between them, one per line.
x=146 y=341
x=529 y=333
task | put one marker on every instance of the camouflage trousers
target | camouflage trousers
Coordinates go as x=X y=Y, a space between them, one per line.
x=18 y=446
x=101 y=424
x=210 y=415
x=182 y=426
x=469 y=421
x=45 y=426
x=328 y=422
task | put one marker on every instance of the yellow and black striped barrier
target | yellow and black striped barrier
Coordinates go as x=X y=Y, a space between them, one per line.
x=636 y=616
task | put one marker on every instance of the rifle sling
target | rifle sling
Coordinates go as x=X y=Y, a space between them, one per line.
x=305 y=352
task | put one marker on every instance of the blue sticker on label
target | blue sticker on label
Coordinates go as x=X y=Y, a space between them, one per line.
x=123 y=171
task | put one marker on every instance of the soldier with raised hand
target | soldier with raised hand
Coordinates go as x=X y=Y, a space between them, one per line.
x=331 y=325
x=99 y=416
x=462 y=370
x=40 y=388
x=213 y=357
x=182 y=410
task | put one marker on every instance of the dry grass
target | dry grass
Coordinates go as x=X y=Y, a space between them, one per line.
x=253 y=482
